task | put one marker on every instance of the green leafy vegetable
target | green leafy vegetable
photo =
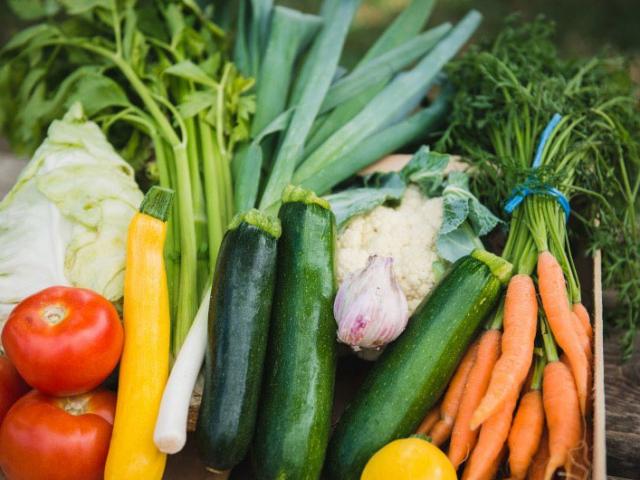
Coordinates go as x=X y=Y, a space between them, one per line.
x=154 y=75
x=308 y=93
x=61 y=224
x=356 y=201
x=508 y=88
x=464 y=218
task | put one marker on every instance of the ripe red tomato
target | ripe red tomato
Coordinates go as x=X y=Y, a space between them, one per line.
x=48 y=438
x=64 y=340
x=12 y=386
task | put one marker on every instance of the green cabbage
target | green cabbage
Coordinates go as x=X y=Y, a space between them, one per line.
x=65 y=221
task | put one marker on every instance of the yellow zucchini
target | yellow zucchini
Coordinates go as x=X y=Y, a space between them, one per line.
x=145 y=360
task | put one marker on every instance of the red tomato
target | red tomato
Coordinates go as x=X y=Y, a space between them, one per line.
x=12 y=386
x=64 y=340
x=48 y=438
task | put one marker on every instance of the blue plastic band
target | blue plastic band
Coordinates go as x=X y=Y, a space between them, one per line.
x=544 y=138
x=524 y=190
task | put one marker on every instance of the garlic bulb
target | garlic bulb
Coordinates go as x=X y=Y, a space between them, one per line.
x=370 y=308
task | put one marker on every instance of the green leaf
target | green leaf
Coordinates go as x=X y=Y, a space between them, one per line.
x=307 y=96
x=196 y=102
x=461 y=204
x=411 y=130
x=175 y=21
x=426 y=169
x=404 y=27
x=190 y=71
x=34 y=9
x=382 y=68
x=40 y=33
x=291 y=32
x=75 y=7
x=96 y=92
x=241 y=55
x=391 y=102
x=247 y=164
x=258 y=33
x=211 y=65
x=357 y=201
x=457 y=243
x=464 y=219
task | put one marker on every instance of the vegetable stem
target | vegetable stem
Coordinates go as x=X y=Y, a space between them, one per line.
x=157 y=203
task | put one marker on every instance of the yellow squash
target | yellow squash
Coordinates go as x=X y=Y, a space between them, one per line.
x=145 y=360
x=409 y=459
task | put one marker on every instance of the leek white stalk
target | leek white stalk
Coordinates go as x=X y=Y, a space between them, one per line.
x=170 y=434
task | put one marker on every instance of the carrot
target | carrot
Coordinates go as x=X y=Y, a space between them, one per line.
x=540 y=459
x=451 y=402
x=520 y=324
x=579 y=464
x=429 y=420
x=583 y=337
x=463 y=439
x=555 y=301
x=583 y=316
x=493 y=435
x=525 y=434
x=580 y=467
x=562 y=410
x=491 y=474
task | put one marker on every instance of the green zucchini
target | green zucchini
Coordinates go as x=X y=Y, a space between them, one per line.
x=295 y=413
x=413 y=371
x=239 y=316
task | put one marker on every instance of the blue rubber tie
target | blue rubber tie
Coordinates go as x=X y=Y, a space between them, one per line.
x=522 y=191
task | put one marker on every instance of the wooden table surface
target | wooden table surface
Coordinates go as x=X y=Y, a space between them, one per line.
x=622 y=380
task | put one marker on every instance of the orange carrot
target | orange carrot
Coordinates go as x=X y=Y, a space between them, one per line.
x=585 y=342
x=493 y=435
x=579 y=463
x=491 y=474
x=553 y=292
x=564 y=359
x=540 y=459
x=583 y=316
x=520 y=324
x=463 y=439
x=526 y=431
x=583 y=337
x=429 y=420
x=580 y=467
x=451 y=402
x=562 y=410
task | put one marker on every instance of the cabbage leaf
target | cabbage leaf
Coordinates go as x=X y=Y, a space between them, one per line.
x=65 y=221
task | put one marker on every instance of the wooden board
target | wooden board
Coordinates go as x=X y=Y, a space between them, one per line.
x=599 y=441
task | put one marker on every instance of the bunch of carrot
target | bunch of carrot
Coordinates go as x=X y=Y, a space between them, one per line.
x=500 y=396
x=513 y=394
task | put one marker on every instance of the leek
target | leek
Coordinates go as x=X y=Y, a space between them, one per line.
x=389 y=102
x=311 y=88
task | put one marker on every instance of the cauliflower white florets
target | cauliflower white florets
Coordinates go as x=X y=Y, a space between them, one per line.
x=408 y=233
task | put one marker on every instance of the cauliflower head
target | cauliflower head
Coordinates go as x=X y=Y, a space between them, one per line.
x=408 y=233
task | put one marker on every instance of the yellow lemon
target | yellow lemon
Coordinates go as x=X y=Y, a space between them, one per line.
x=409 y=459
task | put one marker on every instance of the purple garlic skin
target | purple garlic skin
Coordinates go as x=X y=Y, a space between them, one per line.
x=370 y=308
